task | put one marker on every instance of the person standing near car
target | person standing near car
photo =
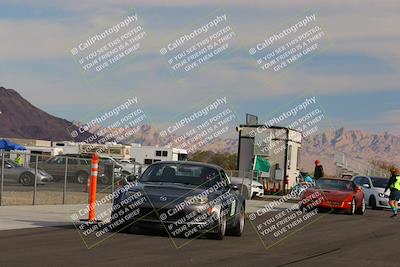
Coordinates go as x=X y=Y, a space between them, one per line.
x=319 y=170
x=18 y=160
x=394 y=186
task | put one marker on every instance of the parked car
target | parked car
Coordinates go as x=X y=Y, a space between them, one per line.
x=15 y=173
x=248 y=188
x=78 y=169
x=193 y=196
x=332 y=193
x=129 y=167
x=257 y=189
x=122 y=167
x=373 y=188
x=106 y=165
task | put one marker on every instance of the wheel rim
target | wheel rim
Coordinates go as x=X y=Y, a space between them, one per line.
x=25 y=179
x=363 y=206
x=81 y=178
x=353 y=206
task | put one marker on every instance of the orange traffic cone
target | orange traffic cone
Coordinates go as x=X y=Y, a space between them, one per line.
x=93 y=189
x=266 y=189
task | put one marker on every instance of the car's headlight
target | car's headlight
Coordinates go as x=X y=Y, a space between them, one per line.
x=382 y=195
x=194 y=200
x=41 y=172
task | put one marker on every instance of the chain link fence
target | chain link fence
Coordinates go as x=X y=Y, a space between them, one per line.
x=37 y=179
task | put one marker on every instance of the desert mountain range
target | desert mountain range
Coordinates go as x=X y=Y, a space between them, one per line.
x=20 y=119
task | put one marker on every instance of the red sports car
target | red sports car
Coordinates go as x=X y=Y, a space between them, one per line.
x=331 y=193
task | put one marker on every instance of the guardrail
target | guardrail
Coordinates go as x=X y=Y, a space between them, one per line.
x=358 y=167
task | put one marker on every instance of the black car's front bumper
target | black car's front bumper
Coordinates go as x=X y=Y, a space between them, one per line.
x=176 y=222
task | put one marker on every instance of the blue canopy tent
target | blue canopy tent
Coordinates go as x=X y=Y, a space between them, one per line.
x=8 y=145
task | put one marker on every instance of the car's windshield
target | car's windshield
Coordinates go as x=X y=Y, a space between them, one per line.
x=379 y=182
x=181 y=173
x=334 y=184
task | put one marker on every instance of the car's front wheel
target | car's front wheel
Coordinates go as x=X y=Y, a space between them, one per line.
x=27 y=179
x=221 y=227
x=81 y=177
x=237 y=230
x=372 y=202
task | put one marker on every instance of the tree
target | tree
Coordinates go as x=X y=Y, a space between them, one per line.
x=223 y=159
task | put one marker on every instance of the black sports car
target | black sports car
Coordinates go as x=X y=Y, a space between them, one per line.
x=185 y=198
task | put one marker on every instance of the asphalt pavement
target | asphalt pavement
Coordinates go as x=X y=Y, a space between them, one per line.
x=332 y=240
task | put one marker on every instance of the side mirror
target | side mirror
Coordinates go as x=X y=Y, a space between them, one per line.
x=131 y=178
x=366 y=185
x=234 y=187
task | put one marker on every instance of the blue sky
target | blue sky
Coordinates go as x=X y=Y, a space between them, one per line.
x=356 y=77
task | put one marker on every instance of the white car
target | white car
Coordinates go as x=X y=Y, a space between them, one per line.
x=131 y=168
x=125 y=166
x=257 y=189
x=248 y=188
x=373 y=188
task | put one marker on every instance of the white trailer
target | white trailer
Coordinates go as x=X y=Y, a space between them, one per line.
x=117 y=151
x=68 y=147
x=148 y=154
x=44 y=153
x=135 y=152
